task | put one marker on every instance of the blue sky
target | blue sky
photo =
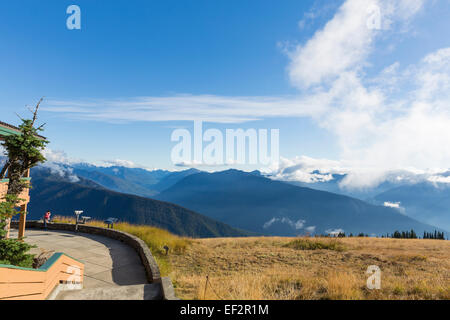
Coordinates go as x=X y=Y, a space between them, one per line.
x=310 y=67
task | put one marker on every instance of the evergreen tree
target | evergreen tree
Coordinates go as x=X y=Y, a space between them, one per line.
x=24 y=151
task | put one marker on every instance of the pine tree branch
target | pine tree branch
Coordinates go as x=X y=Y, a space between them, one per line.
x=36 y=111
x=5 y=168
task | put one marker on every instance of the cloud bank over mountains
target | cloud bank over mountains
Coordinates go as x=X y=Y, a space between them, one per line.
x=309 y=170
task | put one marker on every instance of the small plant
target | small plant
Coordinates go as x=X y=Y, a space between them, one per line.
x=398 y=290
x=306 y=244
x=14 y=252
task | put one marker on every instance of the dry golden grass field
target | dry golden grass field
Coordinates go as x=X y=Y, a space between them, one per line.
x=297 y=268
x=293 y=268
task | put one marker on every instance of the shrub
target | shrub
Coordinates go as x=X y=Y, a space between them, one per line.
x=14 y=252
x=306 y=244
x=398 y=290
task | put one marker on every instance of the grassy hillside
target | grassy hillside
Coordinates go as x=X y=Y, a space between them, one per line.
x=311 y=268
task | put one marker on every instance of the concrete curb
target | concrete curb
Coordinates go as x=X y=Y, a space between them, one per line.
x=63 y=287
x=168 y=290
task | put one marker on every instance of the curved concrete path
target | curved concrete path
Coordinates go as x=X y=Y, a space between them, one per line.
x=108 y=263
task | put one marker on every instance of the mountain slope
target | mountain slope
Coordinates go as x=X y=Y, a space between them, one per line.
x=251 y=202
x=51 y=192
x=115 y=183
x=425 y=201
x=135 y=181
x=138 y=176
x=172 y=178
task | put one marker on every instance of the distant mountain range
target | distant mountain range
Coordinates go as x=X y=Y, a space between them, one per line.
x=136 y=181
x=252 y=202
x=53 y=192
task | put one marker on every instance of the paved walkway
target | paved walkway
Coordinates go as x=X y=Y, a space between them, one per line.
x=108 y=262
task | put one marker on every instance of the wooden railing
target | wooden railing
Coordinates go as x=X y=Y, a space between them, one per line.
x=18 y=283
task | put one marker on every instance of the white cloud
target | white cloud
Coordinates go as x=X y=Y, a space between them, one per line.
x=318 y=10
x=395 y=205
x=202 y=165
x=305 y=169
x=309 y=170
x=439 y=179
x=408 y=8
x=269 y=223
x=334 y=232
x=342 y=44
x=119 y=163
x=212 y=108
x=58 y=161
x=310 y=229
x=61 y=170
x=58 y=156
x=297 y=225
x=392 y=204
x=346 y=41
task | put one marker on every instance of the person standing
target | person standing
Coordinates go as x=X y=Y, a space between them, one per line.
x=47 y=216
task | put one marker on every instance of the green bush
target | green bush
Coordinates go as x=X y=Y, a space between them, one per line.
x=14 y=252
x=305 y=244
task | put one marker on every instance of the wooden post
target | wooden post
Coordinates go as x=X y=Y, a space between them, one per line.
x=22 y=221
x=23 y=216
x=8 y=223
x=8 y=220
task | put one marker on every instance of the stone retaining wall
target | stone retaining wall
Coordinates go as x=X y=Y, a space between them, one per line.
x=151 y=267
